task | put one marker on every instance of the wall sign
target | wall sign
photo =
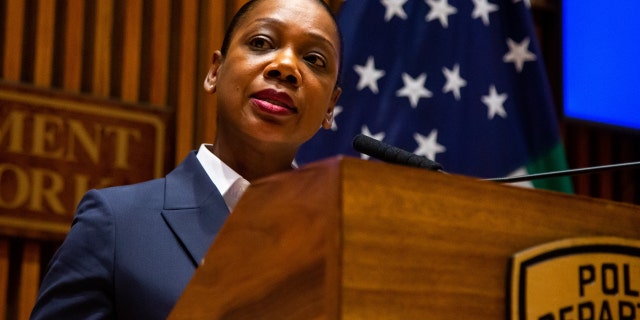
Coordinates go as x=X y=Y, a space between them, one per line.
x=55 y=146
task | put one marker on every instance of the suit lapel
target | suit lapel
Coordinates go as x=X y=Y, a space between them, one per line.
x=194 y=209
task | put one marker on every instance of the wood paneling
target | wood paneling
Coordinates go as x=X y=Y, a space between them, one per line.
x=29 y=279
x=131 y=52
x=160 y=51
x=212 y=29
x=102 y=46
x=186 y=76
x=594 y=145
x=4 y=275
x=45 y=38
x=13 y=38
x=73 y=45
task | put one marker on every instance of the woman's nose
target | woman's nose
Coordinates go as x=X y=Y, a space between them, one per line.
x=284 y=67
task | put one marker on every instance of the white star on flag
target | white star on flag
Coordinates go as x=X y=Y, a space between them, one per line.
x=482 y=9
x=495 y=103
x=378 y=136
x=369 y=75
x=428 y=146
x=454 y=81
x=414 y=89
x=394 y=8
x=519 y=53
x=440 y=9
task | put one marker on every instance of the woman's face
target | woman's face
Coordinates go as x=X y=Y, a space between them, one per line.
x=277 y=82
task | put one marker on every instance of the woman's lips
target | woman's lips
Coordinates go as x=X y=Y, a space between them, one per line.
x=275 y=102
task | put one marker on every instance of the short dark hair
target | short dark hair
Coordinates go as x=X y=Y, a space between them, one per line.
x=240 y=15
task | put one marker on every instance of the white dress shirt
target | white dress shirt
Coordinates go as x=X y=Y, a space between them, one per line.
x=222 y=176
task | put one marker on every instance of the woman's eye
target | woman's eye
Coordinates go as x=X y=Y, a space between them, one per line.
x=260 y=43
x=316 y=60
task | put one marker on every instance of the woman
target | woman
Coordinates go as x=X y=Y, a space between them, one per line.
x=132 y=249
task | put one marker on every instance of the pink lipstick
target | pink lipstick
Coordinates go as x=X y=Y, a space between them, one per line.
x=273 y=101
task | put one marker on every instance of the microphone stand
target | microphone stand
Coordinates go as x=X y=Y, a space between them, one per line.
x=388 y=153
x=563 y=173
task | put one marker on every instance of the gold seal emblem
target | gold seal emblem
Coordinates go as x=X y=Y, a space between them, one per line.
x=592 y=278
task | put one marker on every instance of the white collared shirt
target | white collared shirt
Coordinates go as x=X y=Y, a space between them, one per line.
x=219 y=172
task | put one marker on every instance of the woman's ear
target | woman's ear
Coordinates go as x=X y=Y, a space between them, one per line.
x=327 y=122
x=211 y=80
x=336 y=95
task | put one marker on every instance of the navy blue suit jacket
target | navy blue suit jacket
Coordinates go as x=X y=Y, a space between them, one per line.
x=132 y=249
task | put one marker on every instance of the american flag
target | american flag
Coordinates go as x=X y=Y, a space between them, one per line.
x=461 y=82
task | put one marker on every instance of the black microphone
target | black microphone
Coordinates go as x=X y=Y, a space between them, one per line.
x=388 y=153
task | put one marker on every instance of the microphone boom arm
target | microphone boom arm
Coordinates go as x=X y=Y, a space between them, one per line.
x=563 y=173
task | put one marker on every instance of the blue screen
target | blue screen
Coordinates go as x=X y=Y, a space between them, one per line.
x=601 y=61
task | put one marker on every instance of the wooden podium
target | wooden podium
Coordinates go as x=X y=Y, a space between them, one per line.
x=352 y=239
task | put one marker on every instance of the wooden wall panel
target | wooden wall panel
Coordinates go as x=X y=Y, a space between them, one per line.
x=102 y=47
x=13 y=37
x=73 y=45
x=186 y=95
x=132 y=50
x=594 y=145
x=4 y=276
x=577 y=144
x=212 y=30
x=45 y=38
x=29 y=279
x=160 y=50
x=605 y=186
x=628 y=188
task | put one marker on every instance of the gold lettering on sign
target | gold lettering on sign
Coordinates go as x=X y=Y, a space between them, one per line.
x=54 y=137
x=46 y=130
x=13 y=127
x=41 y=190
x=54 y=147
x=36 y=188
x=47 y=186
x=9 y=171
x=90 y=142
x=121 y=151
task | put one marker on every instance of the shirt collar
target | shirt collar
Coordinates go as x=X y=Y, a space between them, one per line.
x=220 y=174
